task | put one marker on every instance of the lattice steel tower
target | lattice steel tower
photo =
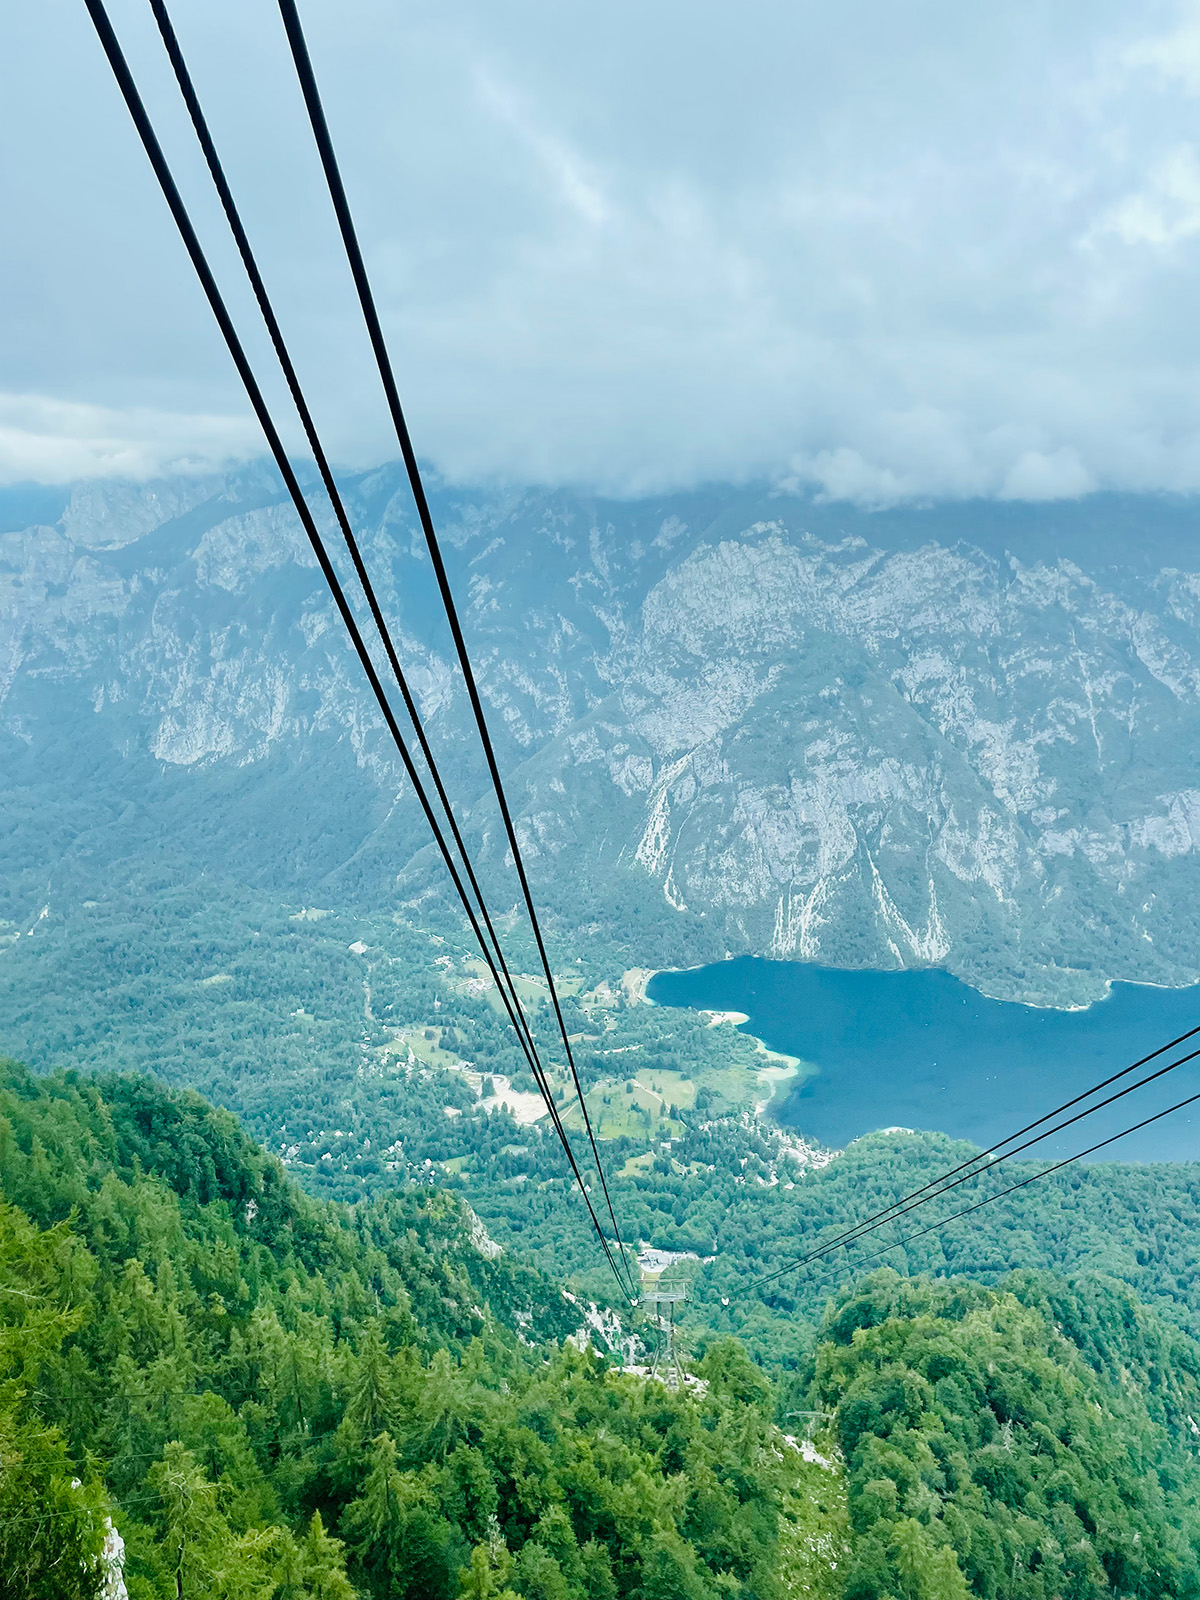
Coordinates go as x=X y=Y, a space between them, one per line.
x=664 y=1297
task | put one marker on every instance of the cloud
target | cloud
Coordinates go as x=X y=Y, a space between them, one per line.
x=562 y=165
x=1175 y=53
x=892 y=252
x=44 y=440
x=1038 y=476
x=1167 y=209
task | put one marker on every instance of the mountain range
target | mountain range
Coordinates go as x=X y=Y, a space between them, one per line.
x=732 y=720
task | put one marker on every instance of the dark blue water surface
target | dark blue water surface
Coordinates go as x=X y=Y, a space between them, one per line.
x=922 y=1050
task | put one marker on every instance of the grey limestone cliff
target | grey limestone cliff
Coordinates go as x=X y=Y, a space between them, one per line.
x=732 y=720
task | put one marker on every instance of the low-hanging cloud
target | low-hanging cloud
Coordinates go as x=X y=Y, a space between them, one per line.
x=43 y=440
x=891 y=252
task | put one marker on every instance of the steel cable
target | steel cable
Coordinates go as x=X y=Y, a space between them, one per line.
x=249 y=261
x=936 y=1227
x=358 y=270
x=144 y=126
x=886 y=1212
x=898 y=1210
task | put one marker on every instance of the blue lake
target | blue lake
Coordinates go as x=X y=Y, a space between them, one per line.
x=922 y=1050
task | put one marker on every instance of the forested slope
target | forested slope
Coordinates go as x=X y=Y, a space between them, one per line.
x=272 y=1396
x=1026 y=1444
x=340 y=1041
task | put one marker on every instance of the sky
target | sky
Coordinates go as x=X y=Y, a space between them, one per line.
x=937 y=250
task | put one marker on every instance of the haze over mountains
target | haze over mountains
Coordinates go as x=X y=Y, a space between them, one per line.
x=734 y=720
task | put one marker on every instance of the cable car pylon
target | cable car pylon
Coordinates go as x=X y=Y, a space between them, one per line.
x=664 y=1297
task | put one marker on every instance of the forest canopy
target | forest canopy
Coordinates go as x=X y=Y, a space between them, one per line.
x=261 y=1394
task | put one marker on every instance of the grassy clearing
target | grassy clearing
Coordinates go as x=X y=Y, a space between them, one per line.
x=669 y=1088
x=432 y=1046
x=616 y=1112
x=532 y=991
x=636 y=1164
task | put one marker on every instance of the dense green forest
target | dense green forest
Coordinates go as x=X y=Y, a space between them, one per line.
x=263 y=1394
x=271 y=1395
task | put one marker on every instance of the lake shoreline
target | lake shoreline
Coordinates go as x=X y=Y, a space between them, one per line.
x=919 y=1047
x=779 y=1067
x=646 y=975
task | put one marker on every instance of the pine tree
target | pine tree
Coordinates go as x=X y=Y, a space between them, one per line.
x=195 y=1529
x=313 y=1567
x=372 y=1406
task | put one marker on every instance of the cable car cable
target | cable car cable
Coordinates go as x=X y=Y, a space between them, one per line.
x=249 y=261
x=936 y=1227
x=851 y=1235
x=358 y=270
x=864 y=1229
x=245 y=250
x=989 y=1158
x=142 y=122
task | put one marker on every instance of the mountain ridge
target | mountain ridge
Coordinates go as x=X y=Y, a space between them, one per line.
x=767 y=739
